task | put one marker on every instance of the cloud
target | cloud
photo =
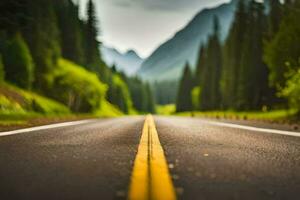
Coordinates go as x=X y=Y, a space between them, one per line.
x=173 y=5
x=123 y=3
x=164 y=5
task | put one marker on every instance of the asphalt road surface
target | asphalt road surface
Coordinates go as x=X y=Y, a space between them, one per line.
x=94 y=160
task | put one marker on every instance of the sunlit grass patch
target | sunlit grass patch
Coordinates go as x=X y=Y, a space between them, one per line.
x=251 y=115
x=12 y=123
x=166 y=109
x=14 y=100
x=108 y=110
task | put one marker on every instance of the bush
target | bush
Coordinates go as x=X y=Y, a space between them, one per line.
x=9 y=106
x=14 y=100
x=18 y=62
x=282 y=53
x=75 y=87
x=119 y=94
x=292 y=91
x=196 y=97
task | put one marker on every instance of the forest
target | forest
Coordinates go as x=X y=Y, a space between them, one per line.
x=50 y=63
x=257 y=68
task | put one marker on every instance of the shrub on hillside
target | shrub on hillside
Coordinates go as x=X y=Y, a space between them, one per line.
x=119 y=95
x=292 y=91
x=18 y=63
x=9 y=106
x=14 y=100
x=75 y=87
x=196 y=95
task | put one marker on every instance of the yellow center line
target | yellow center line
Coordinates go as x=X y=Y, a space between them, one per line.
x=150 y=179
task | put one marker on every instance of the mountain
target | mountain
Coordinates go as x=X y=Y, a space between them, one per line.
x=168 y=61
x=128 y=62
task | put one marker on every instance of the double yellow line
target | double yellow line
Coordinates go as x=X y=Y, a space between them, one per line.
x=150 y=178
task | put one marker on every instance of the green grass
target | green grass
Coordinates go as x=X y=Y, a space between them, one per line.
x=108 y=110
x=255 y=115
x=22 y=108
x=274 y=115
x=14 y=100
x=165 y=109
x=12 y=123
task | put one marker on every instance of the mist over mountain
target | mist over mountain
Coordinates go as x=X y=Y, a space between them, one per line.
x=168 y=61
x=128 y=62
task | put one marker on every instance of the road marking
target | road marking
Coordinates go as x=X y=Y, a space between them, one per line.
x=251 y=128
x=150 y=179
x=39 y=128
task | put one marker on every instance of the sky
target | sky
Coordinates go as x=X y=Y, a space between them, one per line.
x=142 y=25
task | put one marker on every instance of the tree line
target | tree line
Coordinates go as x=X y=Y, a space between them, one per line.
x=35 y=35
x=257 y=67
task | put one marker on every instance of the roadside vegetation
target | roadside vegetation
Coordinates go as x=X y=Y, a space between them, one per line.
x=275 y=116
x=254 y=74
x=51 y=66
x=168 y=109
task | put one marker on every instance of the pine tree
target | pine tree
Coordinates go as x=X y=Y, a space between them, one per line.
x=275 y=16
x=121 y=100
x=200 y=64
x=2 y=73
x=211 y=74
x=232 y=57
x=71 y=34
x=253 y=92
x=42 y=36
x=283 y=50
x=92 y=55
x=13 y=15
x=184 y=97
x=150 y=102
x=92 y=44
x=18 y=62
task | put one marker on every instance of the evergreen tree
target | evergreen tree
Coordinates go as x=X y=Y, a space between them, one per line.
x=252 y=92
x=92 y=55
x=165 y=92
x=92 y=44
x=71 y=33
x=141 y=95
x=232 y=57
x=13 y=15
x=18 y=62
x=275 y=16
x=135 y=87
x=184 y=97
x=200 y=74
x=282 y=52
x=2 y=73
x=200 y=64
x=114 y=69
x=211 y=73
x=150 y=102
x=42 y=36
x=121 y=100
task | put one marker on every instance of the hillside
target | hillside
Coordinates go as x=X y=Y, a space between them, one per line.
x=168 y=60
x=128 y=62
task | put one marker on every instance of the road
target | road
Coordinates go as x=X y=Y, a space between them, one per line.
x=98 y=160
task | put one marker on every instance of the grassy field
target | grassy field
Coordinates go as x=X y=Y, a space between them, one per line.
x=275 y=115
x=256 y=115
x=165 y=109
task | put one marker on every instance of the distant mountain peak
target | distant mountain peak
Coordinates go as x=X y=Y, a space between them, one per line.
x=129 y=62
x=168 y=60
x=132 y=53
